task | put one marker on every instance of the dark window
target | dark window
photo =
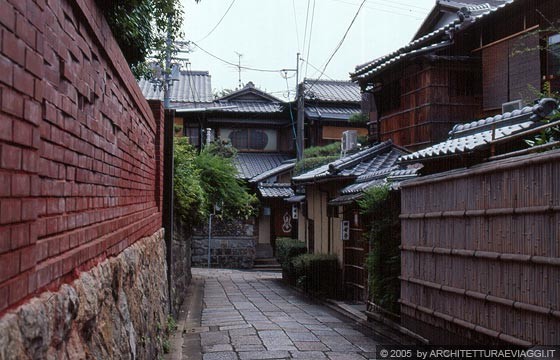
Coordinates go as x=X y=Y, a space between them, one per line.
x=193 y=134
x=553 y=56
x=249 y=139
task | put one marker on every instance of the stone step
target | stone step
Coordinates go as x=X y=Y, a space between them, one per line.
x=267 y=261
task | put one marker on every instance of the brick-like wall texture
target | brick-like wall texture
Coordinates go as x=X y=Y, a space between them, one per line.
x=80 y=148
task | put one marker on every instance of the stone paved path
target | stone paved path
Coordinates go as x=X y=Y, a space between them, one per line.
x=252 y=315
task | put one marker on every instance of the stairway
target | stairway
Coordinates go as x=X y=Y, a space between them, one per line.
x=267 y=264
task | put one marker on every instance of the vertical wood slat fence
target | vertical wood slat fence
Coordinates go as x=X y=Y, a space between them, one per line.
x=481 y=253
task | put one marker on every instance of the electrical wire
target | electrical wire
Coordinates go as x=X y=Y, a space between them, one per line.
x=296 y=23
x=414 y=16
x=339 y=44
x=306 y=21
x=310 y=34
x=316 y=68
x=233 y=64
x=220 y=21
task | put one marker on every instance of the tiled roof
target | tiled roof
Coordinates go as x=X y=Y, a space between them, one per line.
x=391 y=176
x=441 y=36
x=193 y=86
x=479 y=134
x=250 y=107
x=287 y=166
x=343 y=112
x=275 y=190
x=250 y=165
x=331 y=91
x=378 y=157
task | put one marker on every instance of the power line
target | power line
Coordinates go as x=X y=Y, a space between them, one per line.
x=219 y=22
x=296 y=22
x=234 y=64
x=414 y=16
x=317 y=69
x=306 y=20
x=339 y=44
x=310 y=34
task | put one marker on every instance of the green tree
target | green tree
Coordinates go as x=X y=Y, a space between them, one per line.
x=191 y=199
x=141 y=28
x=220 y=183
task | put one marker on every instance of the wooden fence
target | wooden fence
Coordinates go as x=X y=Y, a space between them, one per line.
x=481 y=253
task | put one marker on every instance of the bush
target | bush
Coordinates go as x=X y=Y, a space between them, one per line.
x=358 y=119
x=311 y=163
x=219 y=180
x=317 y=274
x=382 y=207
x=318 y=151
x=287 y=249
x=191 y=201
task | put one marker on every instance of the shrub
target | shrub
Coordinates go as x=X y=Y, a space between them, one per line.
x=219 y=181
x=287 y=249
x=382 y=207
x=312 y=163
x=318 y=151
x=358 y=119
x=318 y=274
x=191 y=201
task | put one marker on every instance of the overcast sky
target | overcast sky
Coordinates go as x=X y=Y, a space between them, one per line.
x=269 y=33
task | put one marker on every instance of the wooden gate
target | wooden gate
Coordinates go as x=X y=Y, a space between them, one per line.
x=356 y=249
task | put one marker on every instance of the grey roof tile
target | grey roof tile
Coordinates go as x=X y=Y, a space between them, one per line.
x=474 y=135
x=277 y=190
x=250 y=107
x=192 y=87
x=331 y=91
x=285 y=167
x=250 y=165
x=372 y=159
x=343 y=112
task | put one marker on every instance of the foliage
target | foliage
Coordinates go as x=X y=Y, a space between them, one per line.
x=191 y=198
x=319 y=151
x=550 y=134
x=316 y=156
x=287 y=248
x=382 y=208
x=219 y=180
x=177 y=128
x=141 y=28
x=312 y=163
x=358 y=119
x=317 y=274
x=222 y=148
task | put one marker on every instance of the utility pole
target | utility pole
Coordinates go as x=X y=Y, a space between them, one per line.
x=167 y=211
x=300 y=135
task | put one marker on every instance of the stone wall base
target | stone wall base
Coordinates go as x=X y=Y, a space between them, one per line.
x=117 y=310
x=226 y=252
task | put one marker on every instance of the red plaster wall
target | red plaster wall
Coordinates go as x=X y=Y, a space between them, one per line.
x=80 y=147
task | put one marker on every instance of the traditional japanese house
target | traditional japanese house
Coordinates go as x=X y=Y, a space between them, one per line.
x=461 y=66
x=190 y=90
x=330 y=222
x=329 y=108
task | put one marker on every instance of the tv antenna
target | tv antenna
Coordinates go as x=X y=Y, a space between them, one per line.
x=239 y=56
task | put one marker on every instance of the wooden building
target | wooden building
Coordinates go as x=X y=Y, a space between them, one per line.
x=461 y=65
x=480 y=248
x=328 y=108
x=329 y=219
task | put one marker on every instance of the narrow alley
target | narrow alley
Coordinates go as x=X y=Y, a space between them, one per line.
x=252 y=315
